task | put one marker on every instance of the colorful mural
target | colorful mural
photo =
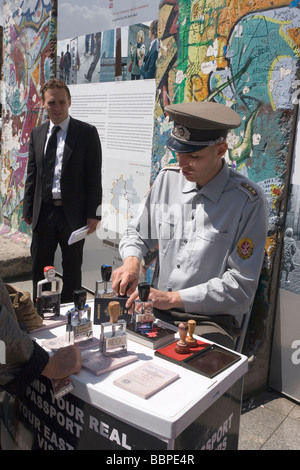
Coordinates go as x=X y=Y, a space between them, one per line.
x=247 y=59
x=29 y=44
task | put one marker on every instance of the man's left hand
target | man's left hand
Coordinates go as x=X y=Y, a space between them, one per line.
x=160 y=299
x=92 y=224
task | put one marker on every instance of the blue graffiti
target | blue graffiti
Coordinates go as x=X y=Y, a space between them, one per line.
x=294 y=3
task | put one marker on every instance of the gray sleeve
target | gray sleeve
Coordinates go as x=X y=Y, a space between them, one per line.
x=28 y=372
x=18 y=346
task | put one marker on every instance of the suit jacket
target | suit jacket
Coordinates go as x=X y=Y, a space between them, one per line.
x=149 y=66
x=81 y=188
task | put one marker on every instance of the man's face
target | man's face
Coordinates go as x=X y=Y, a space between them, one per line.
x=57 y=103
x=202 y=165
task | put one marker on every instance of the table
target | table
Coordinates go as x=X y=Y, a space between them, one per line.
x=194 y=412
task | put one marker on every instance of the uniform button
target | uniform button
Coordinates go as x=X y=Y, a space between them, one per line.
x=184 y=241
x=178 y=266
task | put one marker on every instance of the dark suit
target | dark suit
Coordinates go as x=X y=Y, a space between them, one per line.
x=81 y=196
x=149 y=66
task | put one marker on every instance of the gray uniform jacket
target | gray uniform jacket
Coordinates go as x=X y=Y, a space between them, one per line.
x=24 y=359
x=211 y=240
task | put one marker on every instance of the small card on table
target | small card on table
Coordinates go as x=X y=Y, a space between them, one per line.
x=146 y=379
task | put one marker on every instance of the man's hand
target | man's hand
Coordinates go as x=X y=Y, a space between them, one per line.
x=125 y=279
x=64 y=362
x=92 y=225
x=160 y=299
x=165 y=300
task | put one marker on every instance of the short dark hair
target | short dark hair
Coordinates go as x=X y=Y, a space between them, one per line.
x=55 y=83
x=153 y=27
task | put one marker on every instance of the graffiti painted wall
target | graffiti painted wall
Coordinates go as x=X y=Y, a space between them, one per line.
x=245 y=55
x=225 y=52
x=29 y=44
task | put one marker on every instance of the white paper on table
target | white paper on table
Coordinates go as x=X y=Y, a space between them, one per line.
x=78 y=235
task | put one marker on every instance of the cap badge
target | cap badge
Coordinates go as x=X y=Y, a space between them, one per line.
x=182 y=133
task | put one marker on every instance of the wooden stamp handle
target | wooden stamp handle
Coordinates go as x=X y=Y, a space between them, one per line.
x=114 y=311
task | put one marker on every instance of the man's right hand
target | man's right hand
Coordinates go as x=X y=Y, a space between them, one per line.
x=125 y=279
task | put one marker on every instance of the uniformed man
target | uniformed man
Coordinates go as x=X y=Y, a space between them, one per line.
x=210 y=224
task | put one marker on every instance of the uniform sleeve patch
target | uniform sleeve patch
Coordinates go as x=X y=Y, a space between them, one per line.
x=245 y=248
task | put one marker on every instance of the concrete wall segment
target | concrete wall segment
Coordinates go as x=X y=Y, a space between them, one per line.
x=246 y=56
x=29 y=51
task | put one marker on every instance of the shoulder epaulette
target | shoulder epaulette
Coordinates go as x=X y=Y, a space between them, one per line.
x=171 y=166
x=249 y=189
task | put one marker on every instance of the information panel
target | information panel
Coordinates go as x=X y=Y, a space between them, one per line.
x=285 y=361
x=123 y=115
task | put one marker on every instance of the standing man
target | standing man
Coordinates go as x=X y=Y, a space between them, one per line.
x=148 y=69
x=210 y=223
x=89 y=74
x=63 y=195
